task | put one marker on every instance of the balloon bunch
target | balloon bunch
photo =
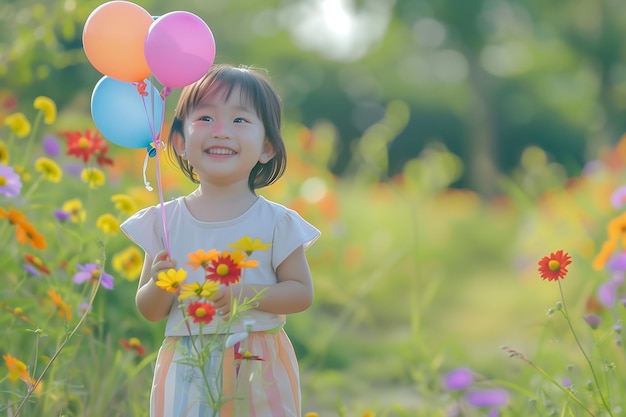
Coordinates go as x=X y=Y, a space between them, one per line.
x=126 y=44
x=130 y=47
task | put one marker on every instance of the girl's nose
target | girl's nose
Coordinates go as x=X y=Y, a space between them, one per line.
x=220 y=130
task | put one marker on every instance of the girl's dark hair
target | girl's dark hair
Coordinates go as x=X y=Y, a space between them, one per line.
x=257 y=89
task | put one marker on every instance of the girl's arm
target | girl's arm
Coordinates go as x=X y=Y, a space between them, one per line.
x=153 y=302
x=292 y=294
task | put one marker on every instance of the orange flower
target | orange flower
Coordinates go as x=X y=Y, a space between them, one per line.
x=616 y=228
x=26 y=233
x=62 y=307
x=15 y=217
x=554 y=266
x=201 y=258
x=605 y=253
x=17 y=369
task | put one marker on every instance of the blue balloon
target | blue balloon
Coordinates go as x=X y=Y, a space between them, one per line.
x=124 y=115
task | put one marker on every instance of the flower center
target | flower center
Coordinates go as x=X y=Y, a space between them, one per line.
x=200 y=312
x=83 y=143
x=554 y=265
x=3 y=181
x=95 y=274
x=222 y=270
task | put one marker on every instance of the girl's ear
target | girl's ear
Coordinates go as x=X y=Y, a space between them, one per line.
x=268 y=152
x=179 y=144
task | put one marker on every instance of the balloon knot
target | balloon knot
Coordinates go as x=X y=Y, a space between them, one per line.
x=141 y=88
x=165 y=92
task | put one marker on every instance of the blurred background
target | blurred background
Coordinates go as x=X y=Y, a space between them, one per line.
x=435 y=143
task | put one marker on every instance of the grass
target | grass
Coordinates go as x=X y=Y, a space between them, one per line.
x=412 y=280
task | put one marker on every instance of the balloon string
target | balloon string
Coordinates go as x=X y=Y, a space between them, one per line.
x=145 y=167
x=157 y=146
x=166 y=240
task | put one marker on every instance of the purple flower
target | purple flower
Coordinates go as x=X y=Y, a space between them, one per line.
x=593 y=320
x=93 y=272
x=51 y=145
x=10 y=182
x=618 y=198
x=617 y=262
x=62 y=215
x=84 y=306
x=488 y=398
x=606 y=294
x=74 y=169
x=567 y=382
x=493 y=413
x=32 y=270
x=457 y=379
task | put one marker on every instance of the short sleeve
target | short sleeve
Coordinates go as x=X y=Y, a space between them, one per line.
x=142 y=228
x=291 y=232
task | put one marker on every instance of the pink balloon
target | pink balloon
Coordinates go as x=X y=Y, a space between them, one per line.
x=179 y=49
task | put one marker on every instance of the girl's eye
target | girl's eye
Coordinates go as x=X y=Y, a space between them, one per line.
x=240 y=120
x=206 y=118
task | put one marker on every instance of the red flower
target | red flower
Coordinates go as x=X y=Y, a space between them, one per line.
x=84 y=145
x=554 y=266
x=226 y=268
x=201 y=311
x=36 y=263
x=247 y=356
x=133 y=344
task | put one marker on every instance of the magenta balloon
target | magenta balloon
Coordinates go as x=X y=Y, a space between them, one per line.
x=179 y=49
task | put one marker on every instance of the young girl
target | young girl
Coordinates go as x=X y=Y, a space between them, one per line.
x=226 y=138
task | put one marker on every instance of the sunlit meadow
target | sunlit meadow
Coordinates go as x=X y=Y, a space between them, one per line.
x=429 y=300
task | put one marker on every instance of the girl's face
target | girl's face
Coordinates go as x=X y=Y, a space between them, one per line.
x=224 y=139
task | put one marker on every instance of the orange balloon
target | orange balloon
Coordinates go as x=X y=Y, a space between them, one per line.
x=114 y=37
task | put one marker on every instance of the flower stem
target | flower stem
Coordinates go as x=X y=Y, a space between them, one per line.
x=582 y=350
x=29 y=144
x=67 y=338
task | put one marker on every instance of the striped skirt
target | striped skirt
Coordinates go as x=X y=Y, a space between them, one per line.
x=258 y=378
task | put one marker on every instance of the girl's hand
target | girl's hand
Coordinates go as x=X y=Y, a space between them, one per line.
x=223 y=299
x=161 y=263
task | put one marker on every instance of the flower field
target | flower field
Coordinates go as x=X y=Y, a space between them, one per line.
x=429 y=300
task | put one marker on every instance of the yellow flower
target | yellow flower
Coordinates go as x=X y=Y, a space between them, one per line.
x=311 y=414
x=124 y=203
x=205 y=290
x=75 y=207
x=93 y=176
x=108 y=224
x=24 y=175
x=239 y=258
x=4 y=153
x=248 y=245
x=18 y=123
x=49 y=169
x=47 y=107
x=128 y=263
x=170 y=281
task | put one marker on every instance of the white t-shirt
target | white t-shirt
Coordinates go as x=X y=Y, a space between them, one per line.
x=265 y=220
